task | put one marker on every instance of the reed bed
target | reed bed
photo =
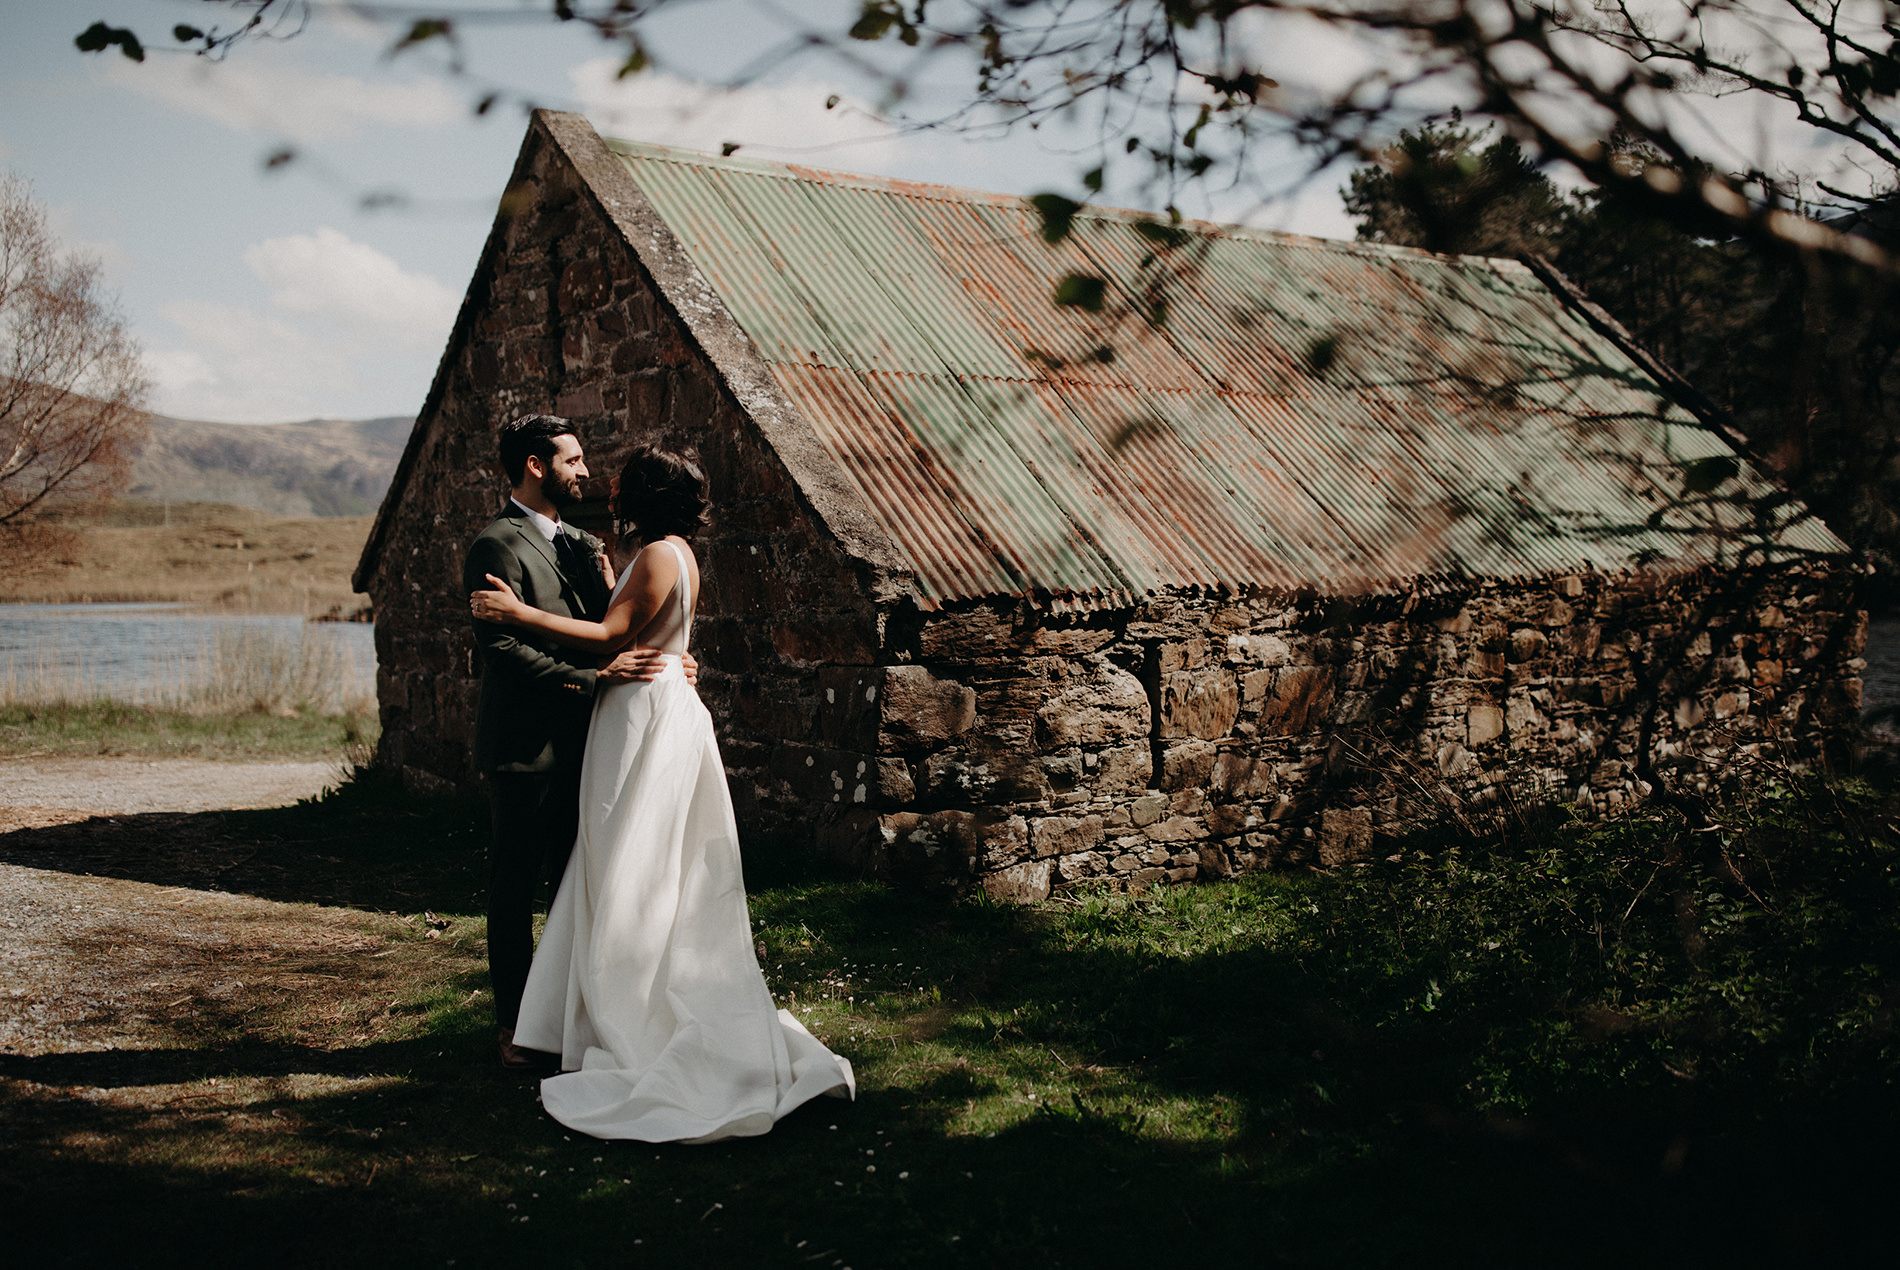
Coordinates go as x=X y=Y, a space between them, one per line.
x=277 y=669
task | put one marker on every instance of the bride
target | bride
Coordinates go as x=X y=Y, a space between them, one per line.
x=645 y=980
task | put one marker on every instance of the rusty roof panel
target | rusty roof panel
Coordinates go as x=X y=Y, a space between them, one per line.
x=1184 y=522
x=953 y=555
x=871 y=330
x=882 y=234
x=1287 y=534
x=1000 y=257
x=987 y=481
x=1085 y=485
x=1310 y=414
x=765 y=297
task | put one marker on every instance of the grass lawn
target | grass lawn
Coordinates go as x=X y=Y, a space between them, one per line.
x=112 y=727
x=1464 y=1056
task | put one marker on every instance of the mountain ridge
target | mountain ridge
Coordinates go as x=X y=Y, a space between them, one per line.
x=318 y=467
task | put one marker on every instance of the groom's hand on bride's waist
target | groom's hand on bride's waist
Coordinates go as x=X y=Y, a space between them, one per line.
x=645 y=663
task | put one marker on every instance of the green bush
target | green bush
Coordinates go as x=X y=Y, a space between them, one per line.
x=1753 y=950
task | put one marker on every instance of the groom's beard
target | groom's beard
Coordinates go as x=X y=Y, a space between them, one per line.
x=561 y=493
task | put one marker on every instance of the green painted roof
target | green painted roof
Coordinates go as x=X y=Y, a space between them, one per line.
x=1469 y=423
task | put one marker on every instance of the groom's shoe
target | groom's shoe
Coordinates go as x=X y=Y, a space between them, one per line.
x=520 y=1057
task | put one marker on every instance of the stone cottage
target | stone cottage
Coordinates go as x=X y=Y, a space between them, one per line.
x=1252 y=551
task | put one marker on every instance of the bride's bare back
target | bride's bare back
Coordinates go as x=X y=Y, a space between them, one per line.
x=668 y=571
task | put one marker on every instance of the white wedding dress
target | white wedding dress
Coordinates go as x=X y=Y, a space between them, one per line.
x=645 y=980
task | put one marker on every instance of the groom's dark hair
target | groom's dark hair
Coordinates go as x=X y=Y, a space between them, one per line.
x=530 y=436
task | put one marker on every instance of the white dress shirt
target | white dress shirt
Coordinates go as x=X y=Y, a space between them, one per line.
x=550 y=529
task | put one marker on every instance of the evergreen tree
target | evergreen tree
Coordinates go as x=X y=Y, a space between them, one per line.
x=1434 y=188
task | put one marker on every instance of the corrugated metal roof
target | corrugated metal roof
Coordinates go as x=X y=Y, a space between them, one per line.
x=1470 y=424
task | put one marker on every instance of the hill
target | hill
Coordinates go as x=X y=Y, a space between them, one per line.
x=323 y=467
x=202 y=553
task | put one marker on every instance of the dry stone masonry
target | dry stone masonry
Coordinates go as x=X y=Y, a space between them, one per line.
x=1198 y=737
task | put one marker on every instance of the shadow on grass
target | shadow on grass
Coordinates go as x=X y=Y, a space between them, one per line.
x=420 y=1153
x=1312 y=1137
x=1186 y=1078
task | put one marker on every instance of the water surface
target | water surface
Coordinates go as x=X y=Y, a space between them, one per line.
x=170 y=652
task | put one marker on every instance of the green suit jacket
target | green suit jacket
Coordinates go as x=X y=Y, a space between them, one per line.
x=536 y=695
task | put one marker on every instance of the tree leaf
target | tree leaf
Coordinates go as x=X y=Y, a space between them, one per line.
x=422 y=30
x=1058 y=215
x=1322 y=355
x=98 y=37
x=1164 y=236
x=637 y=61
x=1704 y=476
x=874 y=22
x=1082 y=291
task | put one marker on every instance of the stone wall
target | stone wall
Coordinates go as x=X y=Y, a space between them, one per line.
x=1195 y=738
x=564 y=317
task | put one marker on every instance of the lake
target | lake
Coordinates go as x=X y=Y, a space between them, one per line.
x=178 y=654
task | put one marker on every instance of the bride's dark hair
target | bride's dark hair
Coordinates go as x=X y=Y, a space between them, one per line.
x=662 y=493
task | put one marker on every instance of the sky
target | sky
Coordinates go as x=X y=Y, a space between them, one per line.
x=276 y=295
x=325 y=287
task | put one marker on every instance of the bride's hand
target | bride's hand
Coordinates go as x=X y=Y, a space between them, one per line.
x=499 y=605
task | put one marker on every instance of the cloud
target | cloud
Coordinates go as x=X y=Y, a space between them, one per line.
x=258 y=94
x=327 y=275
x=345 y=331
x=66 y=222
x=1312 y=60
x=1733 y=130
x=787 y=120
x=238 y=365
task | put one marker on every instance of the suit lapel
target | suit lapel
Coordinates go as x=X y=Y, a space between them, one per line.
x=532 y=535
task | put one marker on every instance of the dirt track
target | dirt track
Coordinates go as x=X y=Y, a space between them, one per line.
x=91 y=962
x=33 y=788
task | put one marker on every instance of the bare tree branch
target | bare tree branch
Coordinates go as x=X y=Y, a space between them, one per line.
x=1187 y=84
x=72 y=385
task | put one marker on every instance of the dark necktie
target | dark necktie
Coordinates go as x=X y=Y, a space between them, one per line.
x=566 y=553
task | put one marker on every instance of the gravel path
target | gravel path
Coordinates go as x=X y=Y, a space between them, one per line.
x=121 y=786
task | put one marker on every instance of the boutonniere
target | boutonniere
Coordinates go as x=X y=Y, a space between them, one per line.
x=592 y=549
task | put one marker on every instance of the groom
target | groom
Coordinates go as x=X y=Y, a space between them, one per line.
x=536 y=696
